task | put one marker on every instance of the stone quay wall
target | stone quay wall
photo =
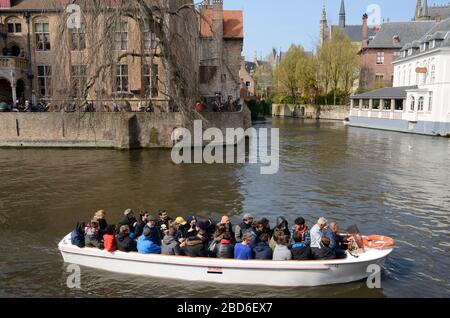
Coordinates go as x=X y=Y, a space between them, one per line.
x=334 y=112
x=104 y=130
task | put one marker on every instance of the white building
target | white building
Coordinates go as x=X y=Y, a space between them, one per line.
x=419 y=102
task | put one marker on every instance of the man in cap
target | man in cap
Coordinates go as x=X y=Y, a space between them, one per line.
x=244 y=227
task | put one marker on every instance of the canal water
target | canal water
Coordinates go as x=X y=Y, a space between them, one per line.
x=386 y=182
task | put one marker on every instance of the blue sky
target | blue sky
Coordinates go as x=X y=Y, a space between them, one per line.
x=279 y=23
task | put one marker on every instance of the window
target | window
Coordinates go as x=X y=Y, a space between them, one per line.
x=45 y=80
x=366 y=103
x=387 y=104
x=149 y=37
x=433 y=74
x=399 y=104
x=42 y=36
x=78 y=79
x=379 y=79
x=122 y=78
x=380 y=57
x=433 y=44
x=376 y=104
x=14 y=27
x=410 y=52
x=121 y=37
x=248 y=84
x=423 y=47
x=430 y=101
x=413 y=103
x=78 y=39
x=151 y=79
x=420 y=106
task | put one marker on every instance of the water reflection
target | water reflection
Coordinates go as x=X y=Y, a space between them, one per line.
x=387 y=183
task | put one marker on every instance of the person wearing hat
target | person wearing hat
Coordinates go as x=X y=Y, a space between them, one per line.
x=124 y=242
x=317 y=233
x=244 y=227
x=182 y=228
x=154 y=235
x=129 y=220
x=145 y=245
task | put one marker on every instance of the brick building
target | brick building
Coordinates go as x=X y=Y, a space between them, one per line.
x=29 y=40
x=378 y=53
x=221 y=45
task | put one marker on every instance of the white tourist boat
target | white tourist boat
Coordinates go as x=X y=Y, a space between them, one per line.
x=227 y=271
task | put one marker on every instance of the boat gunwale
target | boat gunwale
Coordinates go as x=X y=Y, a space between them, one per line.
x=176 y=260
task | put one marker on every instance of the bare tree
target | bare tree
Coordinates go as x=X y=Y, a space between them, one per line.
x=173 y=24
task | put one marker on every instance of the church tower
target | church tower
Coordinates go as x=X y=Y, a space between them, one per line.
x=323 y=26
x=418 y=10
x=342 y=15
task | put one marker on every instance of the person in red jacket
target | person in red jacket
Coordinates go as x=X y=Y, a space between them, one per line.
x=110 y=239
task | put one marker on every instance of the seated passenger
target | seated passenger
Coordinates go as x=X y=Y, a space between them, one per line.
x=124 y=242
x=277 y=233
x=140 y=224
x=262 y=249
x=145 y=245
x=244 y=227
x=77 y=235
x=301 y=227
x=336 y=240
x=243 y=251
x=225 y=248
x=169 y=245
x=224 y=226
x=300 y=251
x=154 y=231
x=109 y=239
x=195 y=246
x=164 y=219
x=100 y=218
x=282 y=252
x=129 y=220
x=182 y=228
x=92 y=239
x=191 y=226
x=324 y=252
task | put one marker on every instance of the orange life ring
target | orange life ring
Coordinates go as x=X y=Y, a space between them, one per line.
x=378 y=241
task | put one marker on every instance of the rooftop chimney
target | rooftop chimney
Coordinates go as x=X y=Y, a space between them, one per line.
x=365 y=31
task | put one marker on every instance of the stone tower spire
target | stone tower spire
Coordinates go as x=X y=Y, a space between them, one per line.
x=342 y=15
x=418 y=9
x=323 y=26
x=425 y=9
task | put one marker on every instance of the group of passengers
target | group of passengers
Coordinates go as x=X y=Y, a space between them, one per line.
x=202 y=238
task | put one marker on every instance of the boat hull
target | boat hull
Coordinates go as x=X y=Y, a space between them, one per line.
x=225 y=271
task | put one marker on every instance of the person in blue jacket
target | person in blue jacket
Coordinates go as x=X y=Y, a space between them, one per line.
x=77 y=235
x=243 y=251
x=145 y=245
